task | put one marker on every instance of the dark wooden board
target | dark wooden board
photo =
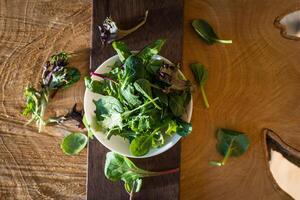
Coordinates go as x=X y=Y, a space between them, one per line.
x=165 y=20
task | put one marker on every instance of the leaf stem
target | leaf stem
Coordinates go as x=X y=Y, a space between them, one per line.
x=144 y=173
x=141 y=106
x=204 y=96
x=103 y=76
x=228 y=153
x=223 y=41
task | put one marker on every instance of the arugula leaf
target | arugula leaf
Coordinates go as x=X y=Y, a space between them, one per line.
x=122 y=50
x=207 y=33
x=230 y=143
x=150 y=50
x=118 y=167
x=201 y=76
x=74 y=143
x=32 y=100
x=144 y=87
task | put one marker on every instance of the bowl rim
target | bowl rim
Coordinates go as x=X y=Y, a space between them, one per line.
x=174 y=139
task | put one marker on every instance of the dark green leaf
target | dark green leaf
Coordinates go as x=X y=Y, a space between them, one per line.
x=144 y=87
x=200 y=73
x=74 y=143
x=122 y=50
x=150 y=50
x=201 y=76
x=183 y=128
x=230 y=143
x=134 y=69
x=176 y=104
x=240 y=142
x=153 y=66
x=163 y=97
x=207 y=33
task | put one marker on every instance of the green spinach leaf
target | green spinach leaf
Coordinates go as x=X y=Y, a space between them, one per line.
x=176 y=104
x=150 y=50
x=118 y=167
x=141 y=145
x=230 y=143
x=201 y=76
x=144 y=87
x=183 y=128
x=134 y=69
x=122 y=50
x=74 y=143
x=207 y=33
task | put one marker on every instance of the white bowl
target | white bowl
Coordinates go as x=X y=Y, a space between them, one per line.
x=117 y=143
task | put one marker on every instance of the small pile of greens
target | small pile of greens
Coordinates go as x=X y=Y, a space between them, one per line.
x=118 y=167
x=143 y=98
x=56 y=75
x=230 y=143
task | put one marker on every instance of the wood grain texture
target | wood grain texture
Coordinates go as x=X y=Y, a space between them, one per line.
x=32 y=166
x=253 y=83
x=159 y=25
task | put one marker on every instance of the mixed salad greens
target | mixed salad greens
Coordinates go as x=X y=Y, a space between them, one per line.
x=143 y=98
x=57 y=74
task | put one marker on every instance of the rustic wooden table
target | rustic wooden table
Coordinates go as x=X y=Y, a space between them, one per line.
x=253 y=83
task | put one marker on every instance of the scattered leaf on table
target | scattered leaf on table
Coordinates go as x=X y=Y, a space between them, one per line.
x=207 y=33
x=74 y=143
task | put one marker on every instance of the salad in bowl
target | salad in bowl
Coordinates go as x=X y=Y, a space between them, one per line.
x=138 y=103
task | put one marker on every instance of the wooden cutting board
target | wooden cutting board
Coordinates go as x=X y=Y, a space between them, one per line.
x=165 y=20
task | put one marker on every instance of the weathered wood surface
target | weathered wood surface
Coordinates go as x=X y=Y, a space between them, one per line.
x=32 y=165
x=158 y=25
x=254 y=83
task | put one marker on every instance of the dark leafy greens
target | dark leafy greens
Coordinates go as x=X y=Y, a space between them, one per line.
x=143 y=99
x=118 y=167
x=207 y=33
x=230 y=143
x=56 y=75
x=201 y=76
